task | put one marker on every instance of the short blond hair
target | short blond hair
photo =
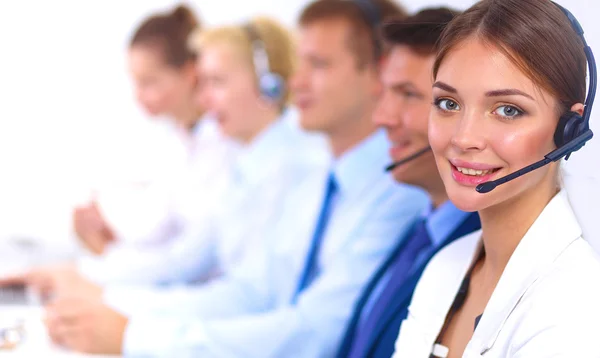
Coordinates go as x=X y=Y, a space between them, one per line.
x=278 y=42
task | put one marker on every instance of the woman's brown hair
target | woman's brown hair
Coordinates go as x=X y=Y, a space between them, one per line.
x=535 y=35
x=168 y=33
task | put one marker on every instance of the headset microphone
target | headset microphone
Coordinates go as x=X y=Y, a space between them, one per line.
x=394 y=165
x=553 y=156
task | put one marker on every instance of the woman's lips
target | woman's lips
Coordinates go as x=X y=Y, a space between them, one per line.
x=472 y=174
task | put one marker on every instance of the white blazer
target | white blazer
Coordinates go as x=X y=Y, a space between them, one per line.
x=546 y=304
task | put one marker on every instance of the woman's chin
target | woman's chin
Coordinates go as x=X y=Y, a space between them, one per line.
x=467 y=199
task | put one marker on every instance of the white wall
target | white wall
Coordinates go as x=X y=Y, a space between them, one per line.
x=65 y=97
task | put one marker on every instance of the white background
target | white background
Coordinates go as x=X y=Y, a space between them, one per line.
x=65 y=98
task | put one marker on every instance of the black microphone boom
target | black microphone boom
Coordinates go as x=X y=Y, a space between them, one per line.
x=491 y=185
x=393 y=166
x=553 y=156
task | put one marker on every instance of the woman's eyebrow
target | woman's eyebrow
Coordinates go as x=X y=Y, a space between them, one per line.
x=507 y=92
x=494 y=93
x=445 y=87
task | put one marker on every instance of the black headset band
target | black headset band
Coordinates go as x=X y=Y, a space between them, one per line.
x=591 y=62
x=260 y=57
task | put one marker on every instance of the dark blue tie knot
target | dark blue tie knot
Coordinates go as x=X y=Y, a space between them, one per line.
x=332 y=185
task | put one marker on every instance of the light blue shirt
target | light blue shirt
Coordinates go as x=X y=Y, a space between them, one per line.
x=248 y=312
x=251 y=195
x=440 y=223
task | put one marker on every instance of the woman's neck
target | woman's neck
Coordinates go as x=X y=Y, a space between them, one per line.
x=262 y=121
x=351 y=132
x=504 y=225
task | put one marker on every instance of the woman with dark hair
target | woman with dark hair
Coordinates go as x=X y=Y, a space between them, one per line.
x=507 y=76
x=146 y=215
x=165 y=81
x=163 y=66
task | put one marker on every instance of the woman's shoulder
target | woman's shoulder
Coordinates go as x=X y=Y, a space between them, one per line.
x=575 y=271
x=562 y=309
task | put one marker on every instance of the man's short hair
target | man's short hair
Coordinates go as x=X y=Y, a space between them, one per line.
x=364 y=19
x=420 y=31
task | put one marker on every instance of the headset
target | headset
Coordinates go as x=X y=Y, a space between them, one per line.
x=573 y=130
x=270 y=85
x=572 y=126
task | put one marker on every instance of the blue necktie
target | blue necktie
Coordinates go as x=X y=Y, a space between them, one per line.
x=399 y=270
x=310 y=267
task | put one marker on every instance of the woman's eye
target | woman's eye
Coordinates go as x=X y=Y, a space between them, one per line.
x=447 y=104
x=508 y=111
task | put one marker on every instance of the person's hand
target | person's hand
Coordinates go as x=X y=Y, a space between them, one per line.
x=92 y=229
x=56 y=280
x=85 y=326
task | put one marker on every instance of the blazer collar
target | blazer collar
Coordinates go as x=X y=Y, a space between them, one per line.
x=553 y=231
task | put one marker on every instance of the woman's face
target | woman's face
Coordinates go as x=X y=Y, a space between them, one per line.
x=161 y=89
x=229 y=91
x=489 y=120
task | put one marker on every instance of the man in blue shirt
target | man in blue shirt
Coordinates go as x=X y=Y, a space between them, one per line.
x=292 y=296
x=404 y=111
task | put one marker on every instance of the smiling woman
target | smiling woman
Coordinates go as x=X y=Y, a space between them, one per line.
x=502 y=96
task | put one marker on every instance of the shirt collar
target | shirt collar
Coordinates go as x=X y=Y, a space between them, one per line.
x=442 y=221
x=205 y=127
x=356 y=168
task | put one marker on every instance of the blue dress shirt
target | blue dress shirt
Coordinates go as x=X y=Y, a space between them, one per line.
x=248 y=313
x=250 y=195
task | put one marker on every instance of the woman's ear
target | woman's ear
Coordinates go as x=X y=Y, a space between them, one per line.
x=578 y=108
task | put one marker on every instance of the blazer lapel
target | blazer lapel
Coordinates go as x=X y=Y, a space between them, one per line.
x=404 y=294
x=554 y=230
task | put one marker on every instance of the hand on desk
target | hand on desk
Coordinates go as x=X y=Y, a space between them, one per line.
x=85 y=325
x=91 y=228
x=56 y=280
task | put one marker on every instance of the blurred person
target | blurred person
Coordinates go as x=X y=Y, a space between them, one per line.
x=165 y=81
x=275 y=157
x=507 y=107
x=293 y=295
x=125 y=219
x=403 y=111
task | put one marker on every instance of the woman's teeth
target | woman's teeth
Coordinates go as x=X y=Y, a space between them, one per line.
x=474 y=172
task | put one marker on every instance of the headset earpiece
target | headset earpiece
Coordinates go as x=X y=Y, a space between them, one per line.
x=569 y=127
x=271 y=86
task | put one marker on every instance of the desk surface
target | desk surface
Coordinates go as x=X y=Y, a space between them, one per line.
x=36 y=342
